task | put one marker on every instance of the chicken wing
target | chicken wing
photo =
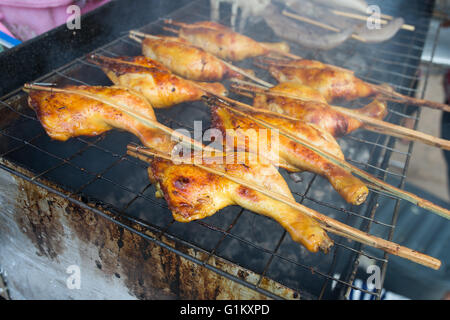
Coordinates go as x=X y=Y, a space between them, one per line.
x=249 y=135
x=313 y=108
x=332 y=83
x=153 y=80
x=193 y=193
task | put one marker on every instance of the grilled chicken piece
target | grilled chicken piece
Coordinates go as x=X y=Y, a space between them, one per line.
x=250 y=135
x=193 y=193
x=224 y=43
x=87 y=111
x=186 y=60
x=153 y=80
x=332 y=83
x=313 y=108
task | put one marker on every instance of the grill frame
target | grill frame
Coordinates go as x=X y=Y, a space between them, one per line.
x=366 y=213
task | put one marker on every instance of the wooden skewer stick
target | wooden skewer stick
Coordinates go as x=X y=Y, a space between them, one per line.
x=364 y=18
x=386 y=16
x=171 y=30
x=395 y=130
x=370 y=123
x=319 y=24
x=115 y=60
x=328 y=223
x=390 y=94
x=133 y=37
x=229 y=65
x=402 y=194
x=260 y=63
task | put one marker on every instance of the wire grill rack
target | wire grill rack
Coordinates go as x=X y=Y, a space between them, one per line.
x=98 y=170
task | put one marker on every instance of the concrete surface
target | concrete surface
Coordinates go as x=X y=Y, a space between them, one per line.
x=427 y=168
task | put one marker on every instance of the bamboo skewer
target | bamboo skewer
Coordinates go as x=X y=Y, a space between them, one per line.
x=392 y=95
x=386 y=16
x=319 y=24
x=279 y=63
x=381 y=184
x=327 y=223
x=364 y=18
x=395 y=130
x=133 y=35
x=369 y=122
x=246 y=74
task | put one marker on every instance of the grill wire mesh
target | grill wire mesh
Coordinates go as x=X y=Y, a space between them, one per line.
x=98 y=170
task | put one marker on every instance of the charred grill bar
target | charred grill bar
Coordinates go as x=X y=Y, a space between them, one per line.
x=76 y=189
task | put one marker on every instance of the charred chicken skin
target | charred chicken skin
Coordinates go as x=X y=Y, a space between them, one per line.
x=313 y=108
x=154 y=81
x=332 y=83
x=186 y=60
x=349 y=187
x=224 y=43
x=192 y=193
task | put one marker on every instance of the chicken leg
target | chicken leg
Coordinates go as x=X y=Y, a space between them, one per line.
x=153 y=80
x=193 y=193
x=313 y=108
x=186 y=60
x=223 y=42
x=87 y=111
x=248 y=135
x=331 y=82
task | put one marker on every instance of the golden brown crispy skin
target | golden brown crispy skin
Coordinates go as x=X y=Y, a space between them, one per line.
x=313 y=108
x=332 y=83
x=348 y=186
x=222 y=41
x=186 y=60
x=67 y=115
x=193 y=193
x=154 y=81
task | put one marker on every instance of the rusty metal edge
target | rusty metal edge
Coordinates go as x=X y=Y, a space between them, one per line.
x=220 y=266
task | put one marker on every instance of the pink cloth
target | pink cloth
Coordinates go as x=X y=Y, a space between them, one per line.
x=29 y=18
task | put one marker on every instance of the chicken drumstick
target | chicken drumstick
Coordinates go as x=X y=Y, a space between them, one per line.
x=349 y=187
x=223 y=42
x=153 y=80
x=313 y=108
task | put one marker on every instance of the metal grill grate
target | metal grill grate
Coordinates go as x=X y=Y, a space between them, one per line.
x=98 y=170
